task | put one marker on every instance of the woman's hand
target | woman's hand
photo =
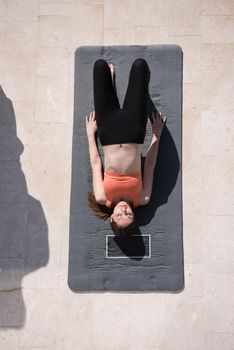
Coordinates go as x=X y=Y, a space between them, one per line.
x=157 y=123
x=91 y=125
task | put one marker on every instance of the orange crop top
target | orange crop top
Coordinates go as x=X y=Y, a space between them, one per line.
x=122 y=184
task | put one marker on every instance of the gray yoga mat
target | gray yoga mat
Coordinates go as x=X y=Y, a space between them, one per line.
x=151 y=259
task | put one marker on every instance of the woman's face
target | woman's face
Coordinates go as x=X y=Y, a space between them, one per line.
x=122 y=214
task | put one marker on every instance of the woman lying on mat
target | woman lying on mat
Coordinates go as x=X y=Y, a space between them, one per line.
x=121 y=132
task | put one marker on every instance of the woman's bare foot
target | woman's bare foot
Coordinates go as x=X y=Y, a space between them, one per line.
x=112 y=69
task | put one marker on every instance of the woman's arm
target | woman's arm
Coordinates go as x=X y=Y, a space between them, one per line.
x=95 y=160
x=98 y=187
x=151 y=159
x=149 y=166
x=96 y=165
x=91 y=128
x=93 y=151
x=152 y=153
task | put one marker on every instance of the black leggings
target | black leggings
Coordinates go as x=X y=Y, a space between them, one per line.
x=121 y=125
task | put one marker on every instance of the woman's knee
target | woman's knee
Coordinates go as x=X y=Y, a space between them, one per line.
x=100 y=63
x=141 y=68
x=140 y=63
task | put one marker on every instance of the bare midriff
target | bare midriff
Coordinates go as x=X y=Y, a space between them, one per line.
x=122 y=158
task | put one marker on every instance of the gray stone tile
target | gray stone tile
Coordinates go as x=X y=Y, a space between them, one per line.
x=158 y=318
x=9 y=338
x=193 y=239
x=120 y=14
x=76 y=310
x=22 y=33
x=13 y=192
x=13 y=230
x=11 y=273
x=28 y=57
x=218 y=244
x=218 y=283
x=192 y=124
x=216 y=56
x=194 y=280
x=217 y=29
x=36 y=214
x=219 y=340
x=53 y=61
x=105 y=335
x=3 y=7
x=20 y=85
x=11 y=305
x=185 y=17
x=112 y=36
x=11 y=171
x=41 y=315
x=216 y=87
x=44 y=252
x=55 y=9
x=85 y=14
x=51 y=99
x=192 y=191
x=217 y=184
x=216 y=7
x=2 y=33
x=37 y=251
x=10 y=145
x=24 y=10
x=152 y=14
x=148 y=35
x=54 y=31
x=218 y=313
x=191 y=47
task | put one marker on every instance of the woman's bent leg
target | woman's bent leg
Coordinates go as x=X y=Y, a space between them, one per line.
x=106 y=103
x=105 y=97
x=135 y=102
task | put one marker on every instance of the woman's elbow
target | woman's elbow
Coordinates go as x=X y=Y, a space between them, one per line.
x=147 y=199
x=101 y=200
x=144 y=200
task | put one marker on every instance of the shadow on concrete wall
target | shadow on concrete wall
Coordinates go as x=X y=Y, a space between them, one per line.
x=23 y=227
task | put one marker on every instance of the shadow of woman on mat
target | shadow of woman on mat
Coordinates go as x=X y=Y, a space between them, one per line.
x=165 y=173
x=165 y=177
x=24 y=231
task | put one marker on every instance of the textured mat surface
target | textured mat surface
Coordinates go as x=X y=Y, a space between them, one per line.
x=152 y=260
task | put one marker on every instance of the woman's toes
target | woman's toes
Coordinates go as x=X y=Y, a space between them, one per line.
x=112 y=69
